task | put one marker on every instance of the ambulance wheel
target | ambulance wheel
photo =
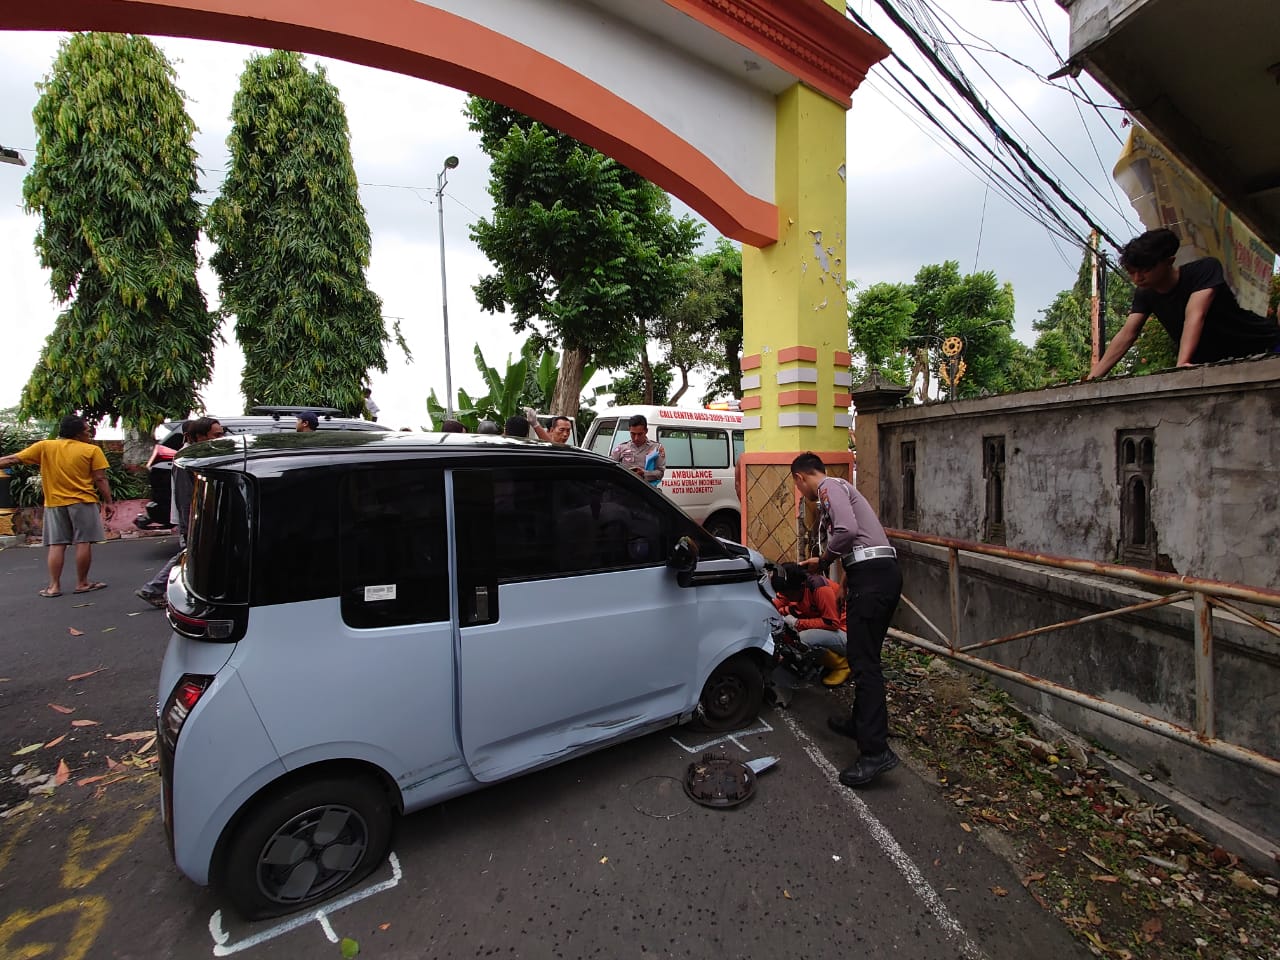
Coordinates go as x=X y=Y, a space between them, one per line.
x=726 y=525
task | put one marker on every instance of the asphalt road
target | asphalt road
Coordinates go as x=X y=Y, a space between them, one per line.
x=600 y=857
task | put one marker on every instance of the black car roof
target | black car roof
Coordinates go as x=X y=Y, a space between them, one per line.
x=272 y=453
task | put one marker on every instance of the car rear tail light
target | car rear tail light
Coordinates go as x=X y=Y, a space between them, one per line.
x=200 y=628
x=186 y=694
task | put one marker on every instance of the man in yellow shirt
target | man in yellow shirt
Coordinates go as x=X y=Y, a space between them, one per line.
x=70 y=468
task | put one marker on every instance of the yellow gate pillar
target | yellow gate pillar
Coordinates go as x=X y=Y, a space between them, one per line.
x=795 y=364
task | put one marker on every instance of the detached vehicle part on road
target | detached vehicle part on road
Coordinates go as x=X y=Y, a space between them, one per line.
x=367 y=624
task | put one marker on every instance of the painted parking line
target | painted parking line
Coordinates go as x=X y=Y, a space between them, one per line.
x=889 y=846
x=223 y=948
x=730 y=737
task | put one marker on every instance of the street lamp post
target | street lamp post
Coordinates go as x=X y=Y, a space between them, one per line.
x=442 y=178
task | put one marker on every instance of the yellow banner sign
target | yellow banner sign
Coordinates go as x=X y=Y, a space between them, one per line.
x=1167 y=194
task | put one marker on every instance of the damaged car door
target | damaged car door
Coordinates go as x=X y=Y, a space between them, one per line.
x=573 y=632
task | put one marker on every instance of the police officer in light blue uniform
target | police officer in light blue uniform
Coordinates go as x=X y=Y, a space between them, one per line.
x=644 y=457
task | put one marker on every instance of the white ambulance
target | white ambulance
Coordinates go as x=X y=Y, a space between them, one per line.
x=702 y=447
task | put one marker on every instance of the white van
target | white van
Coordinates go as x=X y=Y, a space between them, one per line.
x=703 y=447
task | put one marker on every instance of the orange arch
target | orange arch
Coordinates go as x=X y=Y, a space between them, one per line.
x=418 y=40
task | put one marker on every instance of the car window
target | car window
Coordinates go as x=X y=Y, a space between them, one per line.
x=602 y=442
x=393 y=547
x=706 y=449
x=296 y=543
x=553 y=522
x=739 y=444
x=217 y=564
x=172 y=440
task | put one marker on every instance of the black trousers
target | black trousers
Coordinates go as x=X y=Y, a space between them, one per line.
x=873 y=588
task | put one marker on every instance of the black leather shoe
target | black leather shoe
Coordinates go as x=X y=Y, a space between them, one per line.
x=843 y=726
x=867 y=767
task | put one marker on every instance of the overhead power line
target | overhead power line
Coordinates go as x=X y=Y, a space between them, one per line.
x=1020 y=180
x=1113 y=202
x=962 y=87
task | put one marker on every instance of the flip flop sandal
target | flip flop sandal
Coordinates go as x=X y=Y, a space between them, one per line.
x=47 y=594
x=90 y=588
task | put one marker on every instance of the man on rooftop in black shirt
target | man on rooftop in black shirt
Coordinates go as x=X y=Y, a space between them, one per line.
x=1192 y=302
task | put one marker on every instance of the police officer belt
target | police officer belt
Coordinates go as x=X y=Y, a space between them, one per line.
x=866 y=553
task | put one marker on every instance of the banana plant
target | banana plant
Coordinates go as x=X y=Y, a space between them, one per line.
x=506 y=391
x=464 y=412
x=530 y=380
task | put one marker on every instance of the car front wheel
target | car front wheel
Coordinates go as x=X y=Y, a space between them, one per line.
x=305 y=843
x=732 y=695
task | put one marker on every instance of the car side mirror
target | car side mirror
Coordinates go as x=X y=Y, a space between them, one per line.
x=684 y=555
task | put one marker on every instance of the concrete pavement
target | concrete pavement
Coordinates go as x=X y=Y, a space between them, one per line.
x=603 y=856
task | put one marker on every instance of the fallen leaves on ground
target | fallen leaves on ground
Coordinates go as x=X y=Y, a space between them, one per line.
x=1121 y=872
x=135 y=735
x=84 y=723
x=74 y=632
x=86 y=675
x=29 y=748
x=63 y=774
x=61 y=709
x=55 y=741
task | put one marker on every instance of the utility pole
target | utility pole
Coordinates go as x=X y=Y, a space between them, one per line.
x=1095 y=303
x=450 y=163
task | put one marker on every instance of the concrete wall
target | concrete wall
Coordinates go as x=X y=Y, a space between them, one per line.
x=1213 y=507
x=1143 y=661
x=1214 y=496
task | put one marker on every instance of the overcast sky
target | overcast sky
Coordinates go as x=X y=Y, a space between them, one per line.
x=910 y=201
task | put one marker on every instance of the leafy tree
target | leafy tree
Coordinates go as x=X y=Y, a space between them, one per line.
x=114 y=182
x=928 y=291
x=586 y=251
x=632 y=385
x=293 y=242
x=880 y=327
x=979 y=309
x=1065 y=342
x=1152 y=352
x=702 y=330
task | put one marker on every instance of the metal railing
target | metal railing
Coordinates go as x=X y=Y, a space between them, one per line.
x=1205 y=596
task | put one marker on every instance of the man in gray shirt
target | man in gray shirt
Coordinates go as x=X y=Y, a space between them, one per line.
x=873 y=585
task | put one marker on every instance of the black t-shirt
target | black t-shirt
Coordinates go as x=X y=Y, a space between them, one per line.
x=1229 y=330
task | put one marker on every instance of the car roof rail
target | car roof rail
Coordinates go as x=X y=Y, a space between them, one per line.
x=278 y=412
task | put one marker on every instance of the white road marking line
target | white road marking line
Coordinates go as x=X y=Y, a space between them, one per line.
x=327 y=927
x=880 y=833
x=732 y=738
x=220 y=937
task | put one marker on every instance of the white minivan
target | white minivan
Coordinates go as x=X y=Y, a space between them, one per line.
x=365 y=624
x=703 y=447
